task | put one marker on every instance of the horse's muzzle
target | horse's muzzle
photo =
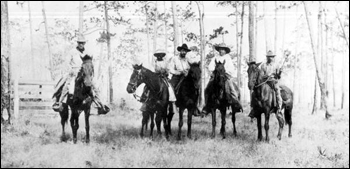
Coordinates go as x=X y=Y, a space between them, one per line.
x=130 y=88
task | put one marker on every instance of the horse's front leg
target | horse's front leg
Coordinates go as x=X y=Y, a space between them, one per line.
x=145 y=117
x=213 y=113
x=267 y=120
x=152 y=123
x=170 y=118
x=74 y=122
x=64 y=118
x=181 y=111
x=223 y=123
x=259 y=127
x=158 y=122
x=189 y=122
x=87 y=125
x=234 y=121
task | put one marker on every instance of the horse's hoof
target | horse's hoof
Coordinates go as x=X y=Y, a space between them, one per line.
x=279 y=137
x=235 y=134
x=75 y=141
x=290 y=135
x=189 y=137
x=213 y=136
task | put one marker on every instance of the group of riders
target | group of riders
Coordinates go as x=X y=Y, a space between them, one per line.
x=178 y=67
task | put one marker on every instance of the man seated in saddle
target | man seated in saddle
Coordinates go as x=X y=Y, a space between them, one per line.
x=231 y=93
x=179 y=67
x=78 y=58
x=161 y=68
x=271 y=69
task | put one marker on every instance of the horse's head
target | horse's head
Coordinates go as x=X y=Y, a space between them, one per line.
x=195 y=74
x=136 y=79
x=220 y=78
x=253 y=74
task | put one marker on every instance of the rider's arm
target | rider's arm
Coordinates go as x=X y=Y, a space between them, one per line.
x=211 y=66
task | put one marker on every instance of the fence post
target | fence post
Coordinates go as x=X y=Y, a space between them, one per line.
x=16 y=99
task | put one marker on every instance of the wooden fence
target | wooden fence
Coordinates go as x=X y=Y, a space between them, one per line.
x=33 y=97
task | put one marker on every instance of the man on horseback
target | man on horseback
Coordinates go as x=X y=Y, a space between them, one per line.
x=231 y=93
x=78 y=58
x=179 y=67
x=271 y=69
x=161 y=68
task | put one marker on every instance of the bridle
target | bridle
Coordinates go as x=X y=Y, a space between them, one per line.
x=139 y=77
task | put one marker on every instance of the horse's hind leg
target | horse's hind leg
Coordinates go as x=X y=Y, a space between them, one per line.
x=87 y=125
x=288 y=118
x=281 y=124
x=223 y=123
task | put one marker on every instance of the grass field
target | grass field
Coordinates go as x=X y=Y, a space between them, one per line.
x=115 y=142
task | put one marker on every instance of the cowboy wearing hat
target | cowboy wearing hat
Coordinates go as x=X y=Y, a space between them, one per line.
x=179 y=66
x=232 y=94
x=271 y=69
x=78 y=58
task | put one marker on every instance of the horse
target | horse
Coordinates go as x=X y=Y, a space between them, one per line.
x=158 y=93
x=187 y=96
x=216 y=99
x=80 y=101
x=263 y=101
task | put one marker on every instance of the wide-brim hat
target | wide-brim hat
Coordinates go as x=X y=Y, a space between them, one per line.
x=222 y=46
x=159 y=53
x=184 y=47
x=81 y=38
x=270 y=54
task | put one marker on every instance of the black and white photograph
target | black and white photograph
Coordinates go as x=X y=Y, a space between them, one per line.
x=175 y=84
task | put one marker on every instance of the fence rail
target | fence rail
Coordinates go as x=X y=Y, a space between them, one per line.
x=33 y=97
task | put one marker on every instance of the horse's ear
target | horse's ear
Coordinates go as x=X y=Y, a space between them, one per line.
x=141 y=65
x=258 y=64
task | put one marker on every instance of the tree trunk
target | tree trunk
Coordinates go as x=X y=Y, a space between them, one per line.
x=333 y=74
x=240 y=45
x=165 y=31
x=314 y=108
x=252 y=48
x=318 y=73
x=201 y=101
x=148 y=34
x=110 y=71
x=239 y=78
x=31 y=42
x=256 y=27
x=284 y=29
x=326 y=55
x=267 y=23
x=6 y=59
x=176 y=32
x=296 y=53
x=155 y=29
x=276 y=27
x=344 y=64
x=48 y=42
x=81 y=16
x=320 y=31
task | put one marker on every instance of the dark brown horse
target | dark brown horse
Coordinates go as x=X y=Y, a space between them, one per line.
x=216 y=99
x=263 y=101
x=158 y=92
x=80 y=101
x=187 y=97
